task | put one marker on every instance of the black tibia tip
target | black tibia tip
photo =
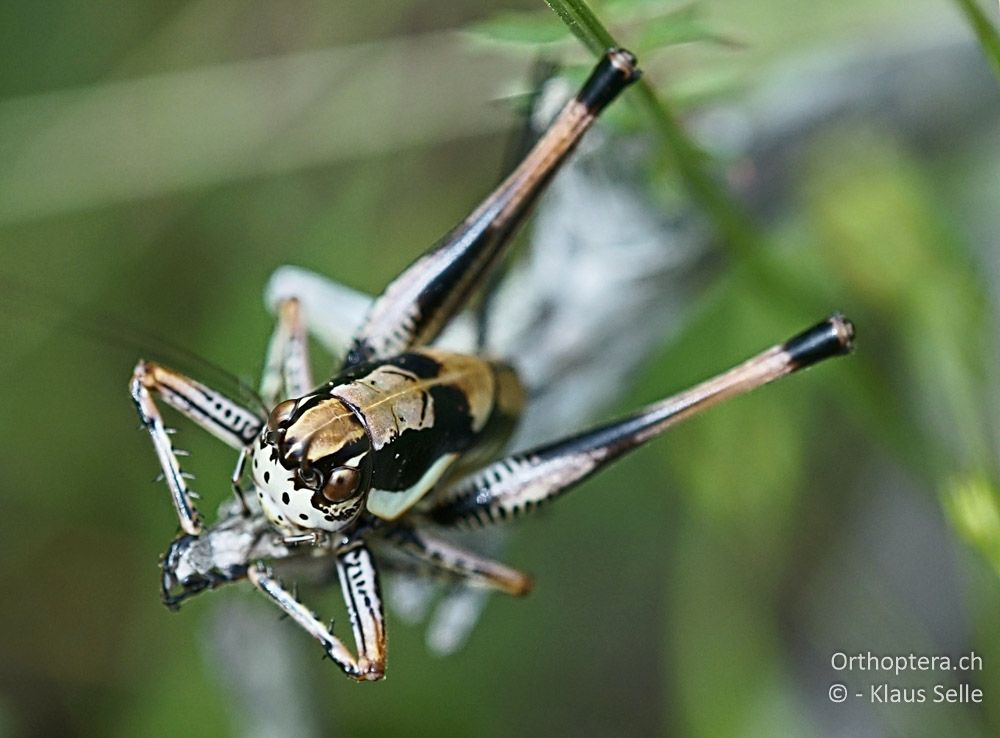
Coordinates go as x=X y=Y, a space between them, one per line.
x=833 y=337
x=613 y=73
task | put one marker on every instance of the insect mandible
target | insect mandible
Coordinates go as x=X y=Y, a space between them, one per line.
x=407 y=438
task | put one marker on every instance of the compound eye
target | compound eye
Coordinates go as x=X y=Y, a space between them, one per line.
x=342 y=484
x=281 y=414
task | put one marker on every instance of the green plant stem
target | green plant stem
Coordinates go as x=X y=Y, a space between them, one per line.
x=733 y=222
x=580 y=19
x=985 y=31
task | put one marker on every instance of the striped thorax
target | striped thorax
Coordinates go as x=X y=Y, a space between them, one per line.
x=380 y=436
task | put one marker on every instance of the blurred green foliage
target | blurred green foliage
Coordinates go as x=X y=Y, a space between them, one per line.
x=697 y=588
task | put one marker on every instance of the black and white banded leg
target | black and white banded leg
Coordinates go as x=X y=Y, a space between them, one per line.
x=455 y=562
x=417 y=305
x=359 y=582
x=524 y=481
x=228 y=421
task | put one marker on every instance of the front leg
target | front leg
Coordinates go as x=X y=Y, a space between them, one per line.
x=359 y=582
x=417 y=305
x=226 y=420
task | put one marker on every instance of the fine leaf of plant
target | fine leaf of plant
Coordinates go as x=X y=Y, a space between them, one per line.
x=523 y=28
x=650 y=27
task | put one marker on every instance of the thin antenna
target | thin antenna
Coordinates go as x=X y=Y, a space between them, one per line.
x=106 y=329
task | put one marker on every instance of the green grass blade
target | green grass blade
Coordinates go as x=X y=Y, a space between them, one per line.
x=985 y=31
x=580 y=19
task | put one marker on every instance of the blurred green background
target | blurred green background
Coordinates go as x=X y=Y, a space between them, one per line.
x=159 y=160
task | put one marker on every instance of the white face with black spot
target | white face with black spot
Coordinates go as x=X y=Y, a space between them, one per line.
x=310 y=465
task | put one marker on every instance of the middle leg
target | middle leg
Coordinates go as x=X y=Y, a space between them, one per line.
x=287 y=374
x=446 y=558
